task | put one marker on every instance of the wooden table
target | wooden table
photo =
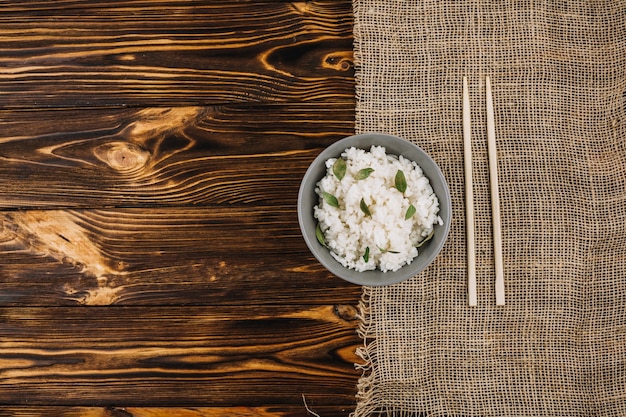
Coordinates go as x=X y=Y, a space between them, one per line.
x=151 y=262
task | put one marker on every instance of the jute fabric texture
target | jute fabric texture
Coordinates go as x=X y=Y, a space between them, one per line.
x=558 y=70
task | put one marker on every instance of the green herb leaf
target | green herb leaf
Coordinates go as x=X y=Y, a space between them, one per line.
x=393 y=251
x=330 y=199
x=426 y=239
x=400 y=181
x=339 y=168
x=410 y=212
x=365 y=209
x=366 y=255
x=320 y=236
x=364 y=173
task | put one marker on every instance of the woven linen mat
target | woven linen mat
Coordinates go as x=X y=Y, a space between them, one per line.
x=558 y=70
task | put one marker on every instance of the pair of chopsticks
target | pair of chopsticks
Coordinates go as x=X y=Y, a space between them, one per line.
x=469 y=196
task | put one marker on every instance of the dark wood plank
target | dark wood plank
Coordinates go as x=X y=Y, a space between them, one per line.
x=164 y=156
x=245 y=356
x=278 y=410
x=174 y=53
x=162 y=256
x=151 y=262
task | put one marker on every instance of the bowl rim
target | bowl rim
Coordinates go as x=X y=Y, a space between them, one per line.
x=373 y=278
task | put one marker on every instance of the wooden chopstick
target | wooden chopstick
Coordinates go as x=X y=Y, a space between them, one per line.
x=469 y=197
x=495 y=196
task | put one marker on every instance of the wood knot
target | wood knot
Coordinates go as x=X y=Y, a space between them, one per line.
x=346 y=312
x=123 y=156
x=339 y=61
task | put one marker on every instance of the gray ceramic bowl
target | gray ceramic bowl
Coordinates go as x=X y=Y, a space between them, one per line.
x=307 y=199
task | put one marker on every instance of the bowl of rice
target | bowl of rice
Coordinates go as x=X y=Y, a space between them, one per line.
x=374 y=209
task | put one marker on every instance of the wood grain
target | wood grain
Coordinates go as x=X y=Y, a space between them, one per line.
x=279 y=410
x=151 y=262
x=190 y=356
x=162 y=256
x=164 y=156
x=121 y=53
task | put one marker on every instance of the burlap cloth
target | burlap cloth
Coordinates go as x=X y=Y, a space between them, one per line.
x=558 y=69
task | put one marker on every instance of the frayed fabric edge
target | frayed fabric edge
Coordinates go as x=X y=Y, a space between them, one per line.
x=357 y=60
x=366 y=404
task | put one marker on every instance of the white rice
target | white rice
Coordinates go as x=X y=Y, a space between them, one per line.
x=384 y=239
